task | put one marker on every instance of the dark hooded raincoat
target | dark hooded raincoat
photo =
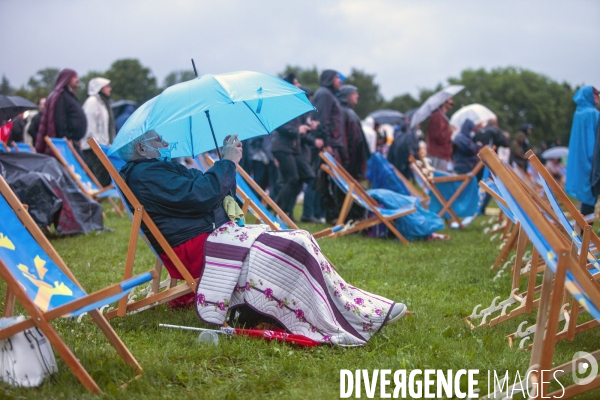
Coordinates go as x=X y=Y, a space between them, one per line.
x=356 y=144
x=465 y=150
x=63 y=115
x=329 y=114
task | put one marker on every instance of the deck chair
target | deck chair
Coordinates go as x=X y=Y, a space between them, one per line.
x=23 y=147
x=563 y=272
x=524 y=300
x=40 y=281
x=355 y=193
x=66 y=154
x=443 y=181
x=157 y=285
x=188 y=285
x=246 y=189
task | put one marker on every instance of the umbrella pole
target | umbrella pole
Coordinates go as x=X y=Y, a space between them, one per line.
x=213 y=135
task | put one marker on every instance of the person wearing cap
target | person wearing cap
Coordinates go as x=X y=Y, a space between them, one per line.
x=520 y=145
x=100 y=125
x=356 y=144
x=63 y=115
x=579 y=178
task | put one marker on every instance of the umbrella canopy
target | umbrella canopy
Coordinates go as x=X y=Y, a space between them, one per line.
x=433 y=103
x=475 y=112
x=11 y=106
x=392 y=117
x=246 y=103
x=556 y=152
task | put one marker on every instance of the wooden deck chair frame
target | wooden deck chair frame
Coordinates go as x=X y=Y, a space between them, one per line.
x=248 y=203
x=40 y=319
x=16 y=147
x=510 y=231
x=356 y=188
x=140 y=216
x=525 y=300
x=87 y=170
x=431 y=182
x=553 y=287
x=588 y=240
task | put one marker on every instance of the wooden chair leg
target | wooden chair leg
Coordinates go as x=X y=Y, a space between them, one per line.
x=156 y=281
x=115 y=341
x=9 y=303
x=115 y=207
x=68 y=357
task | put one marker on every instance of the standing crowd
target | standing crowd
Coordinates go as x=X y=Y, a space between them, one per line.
x=287 y=163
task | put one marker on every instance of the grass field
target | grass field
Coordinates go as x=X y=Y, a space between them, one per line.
x=440 y=281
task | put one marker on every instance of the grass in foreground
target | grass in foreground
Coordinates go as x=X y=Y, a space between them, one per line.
x=440 y=281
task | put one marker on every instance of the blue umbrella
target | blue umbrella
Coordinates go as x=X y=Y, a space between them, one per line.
x=247 y=103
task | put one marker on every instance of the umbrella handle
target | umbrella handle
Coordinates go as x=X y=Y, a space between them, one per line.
x=213 y=135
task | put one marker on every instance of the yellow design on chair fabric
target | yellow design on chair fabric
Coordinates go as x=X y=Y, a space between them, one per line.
x=45 y=289
x=6 y=242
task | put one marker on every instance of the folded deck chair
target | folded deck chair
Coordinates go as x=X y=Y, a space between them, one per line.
x=67 y=155
x=23 y=147
x=246 y=189
x=563 y=272
x=140 y=216
x=355 y=193
x=40 y=281
x=453 y=195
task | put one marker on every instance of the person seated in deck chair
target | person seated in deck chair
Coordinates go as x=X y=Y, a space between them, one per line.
x=282 y=275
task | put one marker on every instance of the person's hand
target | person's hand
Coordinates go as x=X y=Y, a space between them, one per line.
x=318 y=143
x=314 y=125
x=302 y=129
x=328 y=149
x=232 y=149
x=276 y=163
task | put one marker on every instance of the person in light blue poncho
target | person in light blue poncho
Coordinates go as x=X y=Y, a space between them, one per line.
x=581 y=148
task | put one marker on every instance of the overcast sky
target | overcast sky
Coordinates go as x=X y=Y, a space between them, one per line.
x=407 y=44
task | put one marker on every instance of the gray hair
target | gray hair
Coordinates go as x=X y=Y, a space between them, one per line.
x=127 y=152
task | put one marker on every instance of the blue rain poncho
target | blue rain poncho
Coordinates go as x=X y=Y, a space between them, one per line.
x=581 y=147
x=389 y=190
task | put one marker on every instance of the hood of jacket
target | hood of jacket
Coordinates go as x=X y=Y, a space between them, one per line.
x=584 y=97
x=96 y=84
x=345 y=92
x=467 y=127
x=326 y=79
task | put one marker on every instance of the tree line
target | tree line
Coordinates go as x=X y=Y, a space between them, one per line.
x=516 y=95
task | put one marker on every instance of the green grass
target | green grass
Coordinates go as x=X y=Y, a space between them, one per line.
x=440 y=281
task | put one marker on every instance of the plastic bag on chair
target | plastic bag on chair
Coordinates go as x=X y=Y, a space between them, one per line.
x=26 y=358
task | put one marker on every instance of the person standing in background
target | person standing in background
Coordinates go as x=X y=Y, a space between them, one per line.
x=100 y=125
x=34 y=126
x=581 y=148
x=439 y=137
x=520 y=146
x=63 y=116
x=17 y=133
x=356 y=145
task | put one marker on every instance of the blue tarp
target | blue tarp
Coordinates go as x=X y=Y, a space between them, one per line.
x=466 y=203
x=418 y=225
x=381 y=175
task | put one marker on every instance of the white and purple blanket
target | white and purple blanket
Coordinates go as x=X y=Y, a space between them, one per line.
x=284 y=275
